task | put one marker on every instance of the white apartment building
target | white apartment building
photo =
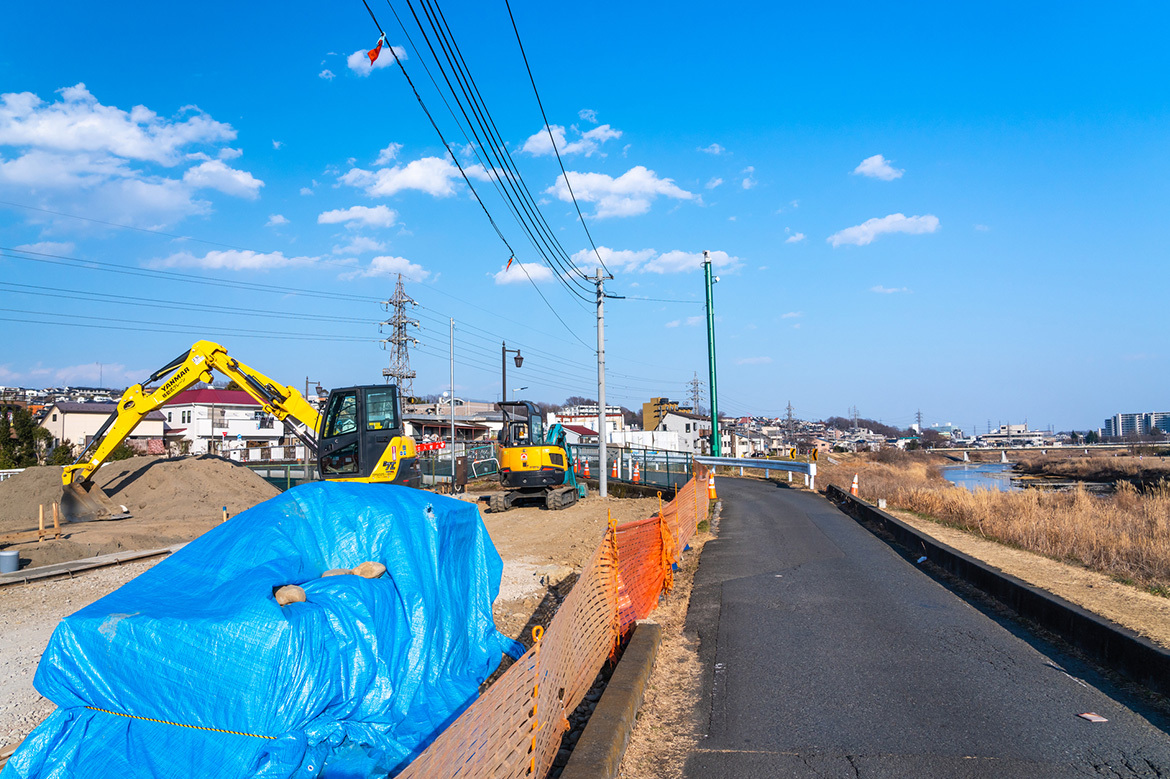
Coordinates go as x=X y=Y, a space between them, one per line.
x=586 y=416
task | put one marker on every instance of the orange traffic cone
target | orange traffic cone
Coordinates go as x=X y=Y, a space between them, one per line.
x=614 y=470
x=853 y=489
x=586 y=469
x=637 y=473
x=711 y=487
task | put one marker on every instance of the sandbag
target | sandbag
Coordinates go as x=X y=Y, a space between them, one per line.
x=194 y=669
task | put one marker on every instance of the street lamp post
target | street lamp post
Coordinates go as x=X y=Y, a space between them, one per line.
x=504 y=351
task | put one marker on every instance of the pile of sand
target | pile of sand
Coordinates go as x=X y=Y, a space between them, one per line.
x=182 y=489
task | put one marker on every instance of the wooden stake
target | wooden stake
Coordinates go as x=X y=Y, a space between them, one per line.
x=57 y=520
x=225 y=517
x=41 y=522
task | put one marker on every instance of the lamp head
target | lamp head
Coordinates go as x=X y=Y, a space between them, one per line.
x=519 y=359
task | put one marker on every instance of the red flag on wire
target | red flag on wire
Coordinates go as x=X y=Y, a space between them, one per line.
x=374 y=52
x=509 y=265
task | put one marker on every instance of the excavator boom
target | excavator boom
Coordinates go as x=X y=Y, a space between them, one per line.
x=83 y=500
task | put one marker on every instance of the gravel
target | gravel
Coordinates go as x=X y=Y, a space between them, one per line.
x=28 y=615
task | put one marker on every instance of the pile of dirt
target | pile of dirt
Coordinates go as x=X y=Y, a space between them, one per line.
x=180 y=489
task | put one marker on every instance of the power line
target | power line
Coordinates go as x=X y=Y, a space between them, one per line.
x=462 y=172
x=544 y=116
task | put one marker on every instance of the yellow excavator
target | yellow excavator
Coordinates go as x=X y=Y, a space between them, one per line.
x=360 y=438
x=533 y=463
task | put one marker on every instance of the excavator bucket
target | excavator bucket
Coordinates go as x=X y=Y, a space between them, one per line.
x=87 y=502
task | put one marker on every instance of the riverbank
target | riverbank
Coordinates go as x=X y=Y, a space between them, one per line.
x=1124 y=536
x=1141 y=471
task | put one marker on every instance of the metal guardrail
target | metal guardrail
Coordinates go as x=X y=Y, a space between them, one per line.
x=791 y=466
x=8 y=473
x=655 y=467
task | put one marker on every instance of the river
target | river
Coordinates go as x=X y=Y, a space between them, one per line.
x=983 y=476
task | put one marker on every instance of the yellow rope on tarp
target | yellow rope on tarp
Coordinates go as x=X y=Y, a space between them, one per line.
x=179 y=724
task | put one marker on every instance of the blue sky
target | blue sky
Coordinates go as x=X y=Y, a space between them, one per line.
x=953 y=210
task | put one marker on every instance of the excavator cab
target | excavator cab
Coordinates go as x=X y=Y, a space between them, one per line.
x=362 y=439
x=535 y=462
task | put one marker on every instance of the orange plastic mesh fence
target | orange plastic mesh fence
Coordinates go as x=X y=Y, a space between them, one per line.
x=514 y=729
x=640 y=567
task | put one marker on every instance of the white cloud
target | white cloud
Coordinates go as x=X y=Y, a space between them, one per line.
x=326 y=74
x=276 y=220
x=214 y=174
x=714 y=182
x=792 y=315
x=79 y=123
x=231 y=259
x=982 y=228
x=306 y=191
x=359 y=244
x=277 y=144
x=48 y=247
x=694 y=320
x=588 y=114
x=714 y=148
x=359 y=216
x=870 y=229
x=878 y=167
x=359 y=61
x=887 y=290
x=753 y=361
x=390 y=266
x=113 y=374
x=628 y=195
x=388 y=155
x=434 y=175
x=651 y=261
x=520 y=272
x=81 y=156
x=749 y=181
x=589 y=142
x=673 y=323
x=795 y=238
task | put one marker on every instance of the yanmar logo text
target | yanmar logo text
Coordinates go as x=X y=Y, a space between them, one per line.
x=174 y=379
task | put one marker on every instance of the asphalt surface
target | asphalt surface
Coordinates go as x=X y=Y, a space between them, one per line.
x=827 y=654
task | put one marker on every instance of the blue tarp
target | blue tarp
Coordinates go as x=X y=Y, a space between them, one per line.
x=352 y=683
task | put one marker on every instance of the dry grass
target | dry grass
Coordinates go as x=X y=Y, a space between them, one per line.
x=1096 y=467
x=1126 y=535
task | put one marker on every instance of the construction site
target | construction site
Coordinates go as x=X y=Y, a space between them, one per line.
x=537 y=580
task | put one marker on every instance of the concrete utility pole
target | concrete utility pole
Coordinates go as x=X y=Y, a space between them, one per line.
x=452 y=406
x=716 y=441
x=602 y=471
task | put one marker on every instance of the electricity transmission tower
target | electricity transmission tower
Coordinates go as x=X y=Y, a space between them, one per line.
x=398 y=344
x=853 y=413
x=918 y=416
x=695 y=393
x=790 y=438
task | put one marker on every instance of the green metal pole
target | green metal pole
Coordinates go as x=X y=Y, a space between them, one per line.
x=716 y=443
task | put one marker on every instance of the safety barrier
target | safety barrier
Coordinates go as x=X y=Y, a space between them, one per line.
x=514 y=729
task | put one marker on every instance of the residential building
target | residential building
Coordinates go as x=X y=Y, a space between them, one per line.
x=215 y=421
x=653 y=411
x=586 y=416
x=78 y=423
x=695 y=431
x=1142 y=423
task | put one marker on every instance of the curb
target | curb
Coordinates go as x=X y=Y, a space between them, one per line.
x=599 y=751
x=1111 y=645
x=71 y=567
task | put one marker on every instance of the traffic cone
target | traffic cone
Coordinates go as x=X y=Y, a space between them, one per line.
x=853 y=489
x=637 y=473
x=587 y=469
x=614 y=470
x=711 y=487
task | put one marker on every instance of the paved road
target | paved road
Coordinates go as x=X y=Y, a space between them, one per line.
x=828 y=654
